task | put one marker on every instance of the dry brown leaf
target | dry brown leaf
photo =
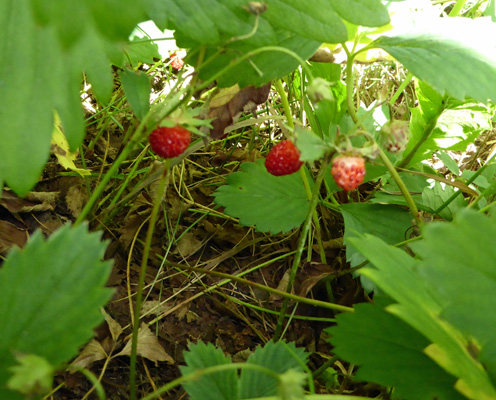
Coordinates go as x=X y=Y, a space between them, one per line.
x=114 y=327
x=76 y=199
x=154 y=307
x=188 y=245
x=32 y=202
x=148 y=346
x=229 y=102
x=91 y=353
x=11 y=235
x=312 y=275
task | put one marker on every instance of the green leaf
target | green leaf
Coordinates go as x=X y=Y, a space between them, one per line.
x=362 y=12
x=44 y=48
x=137 y=90
x=449 y=162
x=142 y=50
x=315 y=19
x=390 y=352
x=310 y=145
x=420 y=305
x=32 y=376
x=57 y=284
x=434 y=197
x=390 y=223
x=458 y=263
x=273 y=203
x=278 y=357
x=449 y=55
x=214 y=386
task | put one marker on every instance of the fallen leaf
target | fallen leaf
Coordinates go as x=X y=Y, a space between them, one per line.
x=32 y=202
x=229 y=102
x=76 y=199
x=91 y=353
x=11 y=235
x=114 y=327
x=148 y=346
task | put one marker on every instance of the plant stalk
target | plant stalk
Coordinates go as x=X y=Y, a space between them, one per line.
x=141 y=281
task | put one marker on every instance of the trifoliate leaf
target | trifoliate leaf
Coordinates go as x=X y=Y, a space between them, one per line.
x=33 y=376
x=273 y=203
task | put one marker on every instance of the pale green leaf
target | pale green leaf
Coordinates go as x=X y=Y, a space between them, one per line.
x=310 y=145
x=450 y=55
x=362 y=12
x=273 y=203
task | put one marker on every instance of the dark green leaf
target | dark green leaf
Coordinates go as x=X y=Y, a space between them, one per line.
x=390 y=352
x=273 y=203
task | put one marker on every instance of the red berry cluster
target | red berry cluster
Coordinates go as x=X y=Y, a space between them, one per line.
x=169 y=142
x=348 y=171
x=283 y=159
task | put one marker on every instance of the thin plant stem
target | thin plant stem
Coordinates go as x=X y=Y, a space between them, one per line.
x=404 y=190
x=301 y=245
x=457 y=8
x=289 y=117
x=286 y=295
x=141 y=281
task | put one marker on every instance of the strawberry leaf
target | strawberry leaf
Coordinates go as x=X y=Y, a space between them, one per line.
x=390 y=352
x=279 y=357
x=215 y=386
x=441 y=50
x=273 y=203
x=56 y=284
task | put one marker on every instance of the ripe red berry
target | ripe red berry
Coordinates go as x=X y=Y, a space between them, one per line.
x=348 y=171
x=176 y=61
x=169 y=142
x=283 y=159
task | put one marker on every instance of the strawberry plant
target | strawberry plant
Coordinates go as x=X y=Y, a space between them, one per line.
x=340 y=154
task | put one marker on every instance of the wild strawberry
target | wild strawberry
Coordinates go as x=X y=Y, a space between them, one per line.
x=176 y=61
x=348 y=171
x=169 y=142
x=283 y=159
x=395 y=136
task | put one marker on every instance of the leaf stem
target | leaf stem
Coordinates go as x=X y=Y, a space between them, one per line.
x=289 y=117
x=404 y=190
x=141 y=281
x=301 y=245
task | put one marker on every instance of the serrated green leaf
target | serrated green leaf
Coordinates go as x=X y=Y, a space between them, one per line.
x=448 y=54
x=57 y=284
x=449 y=162
x=137 y=90
x=390 y=223
x=362 y=12
x=397 y=275
x=310 y=145
x=434 y=197
x=463 y=275
x=390 y=352
x=273 y=203
x=276 y=356
x=215 y=386
x=142 y=50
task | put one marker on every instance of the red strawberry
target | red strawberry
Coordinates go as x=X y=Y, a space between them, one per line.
x=176 y=61
x=348 y=171
x=283 y=159
x=170 y=142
